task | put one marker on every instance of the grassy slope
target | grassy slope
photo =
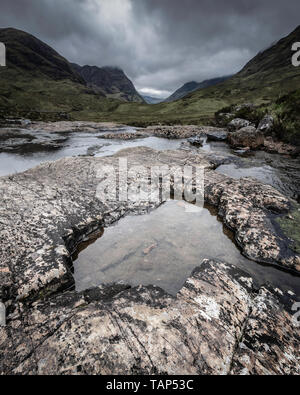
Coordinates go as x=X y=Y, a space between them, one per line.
x=286 y=111
x=38 y=79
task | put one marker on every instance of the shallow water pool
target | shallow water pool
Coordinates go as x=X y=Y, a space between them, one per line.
x=162 y=248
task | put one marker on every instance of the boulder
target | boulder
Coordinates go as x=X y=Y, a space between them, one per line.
x=266 y=124
x=244 y=106
x=219 y=323
x=237 y=124
x=223 y=118
x=217 y=135
x=246 y=137
x=197 y=140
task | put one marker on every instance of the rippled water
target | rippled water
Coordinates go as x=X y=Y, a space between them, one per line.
x=163 y=248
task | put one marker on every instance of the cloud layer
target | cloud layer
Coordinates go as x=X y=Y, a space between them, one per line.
x=160 y=44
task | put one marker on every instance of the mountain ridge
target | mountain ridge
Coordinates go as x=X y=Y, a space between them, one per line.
x=110 y=81
x=192 y=86
x=37 y=80
x=264 y=79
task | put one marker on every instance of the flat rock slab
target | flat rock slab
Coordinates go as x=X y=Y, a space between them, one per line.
x=46 y=211
x=219 y=323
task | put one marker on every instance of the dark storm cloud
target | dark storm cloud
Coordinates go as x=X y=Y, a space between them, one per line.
x=161 y=44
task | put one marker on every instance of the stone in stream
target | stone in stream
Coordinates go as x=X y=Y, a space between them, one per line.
x=218 y=323
x=217 y=135
x=246 y=137
x=198 y=141
x=181 y=131
x=124 y=136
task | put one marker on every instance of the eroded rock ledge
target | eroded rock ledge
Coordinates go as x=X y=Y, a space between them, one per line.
x=47 y=210
x=219 y=323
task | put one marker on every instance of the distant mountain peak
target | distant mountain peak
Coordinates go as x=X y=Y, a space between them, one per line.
x=152 y=100
x=192 y=86
x=110 y=81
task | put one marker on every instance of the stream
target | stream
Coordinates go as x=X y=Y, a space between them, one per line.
x=163 y=247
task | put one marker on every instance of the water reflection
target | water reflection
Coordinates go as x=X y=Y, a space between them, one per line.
x=163 y=248
x=22 y=152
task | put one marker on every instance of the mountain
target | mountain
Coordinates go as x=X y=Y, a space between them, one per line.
x=192 y=86
x=152 y=100
x=110 y=81
x=39 y=83
x=264 y=79
x=28 y=55
x=29 y=82
x=269 y=75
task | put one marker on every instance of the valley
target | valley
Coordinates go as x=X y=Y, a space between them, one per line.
x=185 y=260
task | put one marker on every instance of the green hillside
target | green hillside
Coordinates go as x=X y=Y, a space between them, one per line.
x=39 y=83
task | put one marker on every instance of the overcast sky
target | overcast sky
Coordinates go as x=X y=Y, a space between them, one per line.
x=160 y=44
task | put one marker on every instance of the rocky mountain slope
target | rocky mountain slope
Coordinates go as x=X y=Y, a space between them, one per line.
x=192 y=86
x=110 y=81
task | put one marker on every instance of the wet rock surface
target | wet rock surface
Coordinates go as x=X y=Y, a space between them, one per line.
x=217 y=135
x=249 y=208
x=246 y=137
x=17 y=140
x=46 y=211
x=218 y=323
x=274 y=146
x=198 y=141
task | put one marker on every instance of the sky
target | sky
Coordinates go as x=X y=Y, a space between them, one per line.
x=160 y=44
